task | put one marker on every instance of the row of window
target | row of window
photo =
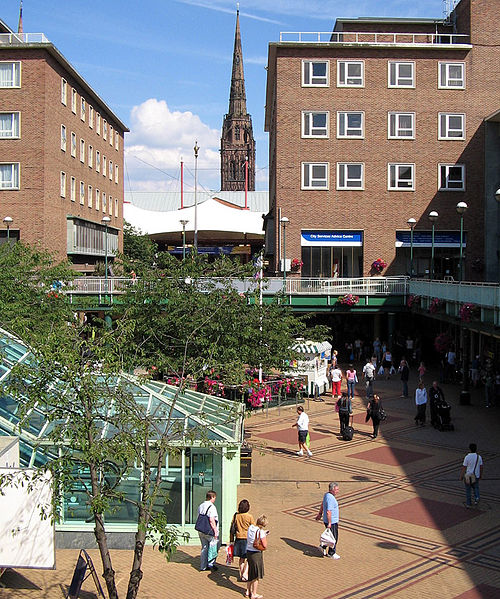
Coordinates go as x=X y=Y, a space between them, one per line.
x=351 y=73
x=86 y=192
x=105 y=166
x=400 y=125
x=400 y=177
x=93 y=116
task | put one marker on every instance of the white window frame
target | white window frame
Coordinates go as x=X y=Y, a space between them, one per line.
x=444 y=134
x=82 y=193
x=117 y=140
x=98 y=123
x=73 y=144
x=343 y=167
x=443 y=182
x=444 y=75
x=116 y=173
x=15 y=180
x=346 y=135
x=64 y=138
x=82 y=150
x=397 y=127
x=64 y=91
x=309 y=166
x=97 y=161
x=90 y=194
x=104 y=166
x=97 y=199
x=116 y=207
x=104 y=203
x=397 y=77
x=110 y=170
x=14 y=114
x=308 y=124
x=73 y=100
x=83 y=109
x=62 y=184
x=72 y=189
x=90 y=156
x=111 y=131
x=346 y=64
x=396 y=166
x=105 y=129
x=16 y=74
x=110 y=205
x=308 y=76
x=91 y=116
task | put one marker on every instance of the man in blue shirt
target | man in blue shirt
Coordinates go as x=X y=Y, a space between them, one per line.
x=329 y=512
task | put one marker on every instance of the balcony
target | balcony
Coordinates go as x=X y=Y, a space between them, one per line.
x=371 y=38
x=16 y=39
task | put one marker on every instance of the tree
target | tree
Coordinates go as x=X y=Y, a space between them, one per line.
x=138 y=250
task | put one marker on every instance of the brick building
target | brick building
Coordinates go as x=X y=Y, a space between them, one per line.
x=377 y=122
x=61 y=154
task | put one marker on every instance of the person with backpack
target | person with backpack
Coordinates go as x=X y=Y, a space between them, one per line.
x=375 y=411
x=472 y=471
x=344 y=408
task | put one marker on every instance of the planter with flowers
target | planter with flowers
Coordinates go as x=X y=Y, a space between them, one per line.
x=413 y=301
x=296 y=264
x=443 y=343
x=436 y=305
x=348 y=300
x=468 y=312
x=378 y=265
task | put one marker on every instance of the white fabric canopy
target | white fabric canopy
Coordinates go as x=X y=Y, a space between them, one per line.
x=312 y=347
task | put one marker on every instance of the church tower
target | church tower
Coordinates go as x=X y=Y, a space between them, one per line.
x=237 y=142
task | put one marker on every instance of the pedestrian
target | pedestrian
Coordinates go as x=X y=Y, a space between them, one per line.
x=351 y=379
x=242 y=520
x=451 y=358
x=207 y=562
x=334 y=358
x=405 y=375
x=344 y=408
x=329 y=512
x=472 y=471
x=421 y=403
x=369 y=376
x=435 y=397
x=336 y=375
x=421 y=371
x=387 y=363
x=256 y=534
x=302 y=425
x=358 y=346
x=374 y=411
x=474 y=371
x=489 y=383
x=376 y=348
x=409 y=347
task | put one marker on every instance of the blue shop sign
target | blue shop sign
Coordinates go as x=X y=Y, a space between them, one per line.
x=423 y=239
x=332 y=238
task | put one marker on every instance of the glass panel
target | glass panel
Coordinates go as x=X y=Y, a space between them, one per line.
x=326 y=262
x=306 y=259
x=315 y=262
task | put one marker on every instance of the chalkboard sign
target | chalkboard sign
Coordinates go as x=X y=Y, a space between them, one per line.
x=83 y=563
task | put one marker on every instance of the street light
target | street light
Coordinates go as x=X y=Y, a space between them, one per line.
x=461 y=209
x=284 y=222
x=433 y=216
x=196 y=149
x=183 y=223
x=7 y=221
x=497 y=198
x=106 y=220
x=411 y=222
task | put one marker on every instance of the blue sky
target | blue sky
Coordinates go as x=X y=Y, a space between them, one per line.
x=164 y=67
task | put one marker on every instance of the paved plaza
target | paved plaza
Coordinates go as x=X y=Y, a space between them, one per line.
x=404 y=531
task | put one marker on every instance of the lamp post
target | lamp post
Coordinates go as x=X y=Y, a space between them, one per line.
x=284 y=222
x=196 y=149
x=461 y=209
x=183 y=223
x=433 y=216
x=411 y=222
x=105 y=221
x=497 y=198
x=7 y=221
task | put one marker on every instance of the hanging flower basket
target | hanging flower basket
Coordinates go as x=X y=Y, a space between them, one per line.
x=379 y=265
x=348 y=300
x=435 y=305
x=443 y=342
x=413 y=301
x=296 y=264
x=468 y=312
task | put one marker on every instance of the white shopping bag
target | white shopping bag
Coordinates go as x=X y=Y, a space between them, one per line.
x=327 y=538
x=381 y=370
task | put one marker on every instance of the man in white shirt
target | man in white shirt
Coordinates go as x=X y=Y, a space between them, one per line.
x=369 y=376
x=336 y=375
x=302 y=425
x=472 y=471
x=208 y=508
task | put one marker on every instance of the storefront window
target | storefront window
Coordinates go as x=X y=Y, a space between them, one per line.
x=332 y=262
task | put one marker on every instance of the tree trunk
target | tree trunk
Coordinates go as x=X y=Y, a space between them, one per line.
x=136 y=572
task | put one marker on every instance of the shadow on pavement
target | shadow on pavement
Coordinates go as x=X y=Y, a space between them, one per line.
x=309 y=550
x=11 y=579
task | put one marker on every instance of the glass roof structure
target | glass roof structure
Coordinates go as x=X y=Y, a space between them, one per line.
x=220 y=420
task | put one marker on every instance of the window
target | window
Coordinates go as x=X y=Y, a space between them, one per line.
x=116 y=207
x=104 y=166
x=9 y=175
x=350 y=124
x=98 y=123
x=91 y=117
x=111 y=170
x=82 y=192
x=110 y=135
x=110 y=204
x=401 y=74
x=451 y=126
x=98 y=161
x=350 y=73
x=63 y=138
x=73 y=144
x=64 y=91
x=9 y=125
x=315 y=124
x=82 y=150
x=451 y=177
x=83 y=109
x=451 y=75
x=89 y=196
x=401 y=177
x=10 y=74
x=104 y=205
x=116 y=173
x=73 y=189
x=63 y=185
x=73 y=100
x=401 y=125
x=350 y=176
x=90 y=157
x=97 y=199
x=117 y=139
x=315 y=73
x=315 y=175
x=104 y=129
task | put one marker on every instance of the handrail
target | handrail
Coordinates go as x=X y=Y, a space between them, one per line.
x=374 y=38
x=23 y=38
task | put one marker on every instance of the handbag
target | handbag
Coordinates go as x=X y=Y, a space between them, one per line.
x=381 y=414
x=327 y=538
x=203 y=524
x=234 y=528
x=213 y=550
x=257 y=542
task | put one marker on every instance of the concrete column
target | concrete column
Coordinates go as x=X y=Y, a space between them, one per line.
x=391 y=326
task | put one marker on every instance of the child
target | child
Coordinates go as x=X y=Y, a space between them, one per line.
x=421 y=371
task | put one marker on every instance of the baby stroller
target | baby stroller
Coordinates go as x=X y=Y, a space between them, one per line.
x=443 y=418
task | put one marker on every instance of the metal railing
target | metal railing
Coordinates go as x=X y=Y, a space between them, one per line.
x=486 y=295
x=356 y=286
x=371 y=38
x=23 y=38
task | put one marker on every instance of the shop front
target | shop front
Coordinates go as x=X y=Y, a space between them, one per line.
x=332 y=254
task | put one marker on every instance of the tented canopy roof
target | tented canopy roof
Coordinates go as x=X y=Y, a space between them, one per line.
x=313 y=347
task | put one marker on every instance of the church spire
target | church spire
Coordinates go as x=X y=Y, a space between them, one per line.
x=237 y=142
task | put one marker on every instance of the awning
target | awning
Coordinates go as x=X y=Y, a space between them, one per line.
x=313 y=347
x=331 y=238
x=423 y=239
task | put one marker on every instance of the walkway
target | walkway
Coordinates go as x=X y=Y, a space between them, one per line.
x=404 y=532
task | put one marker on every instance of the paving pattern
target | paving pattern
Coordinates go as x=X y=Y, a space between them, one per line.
x=404 y=531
